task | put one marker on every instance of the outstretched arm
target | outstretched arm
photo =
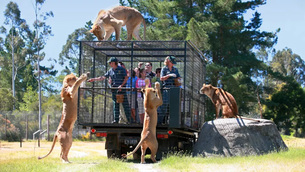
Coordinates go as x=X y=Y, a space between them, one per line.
x=97 y=79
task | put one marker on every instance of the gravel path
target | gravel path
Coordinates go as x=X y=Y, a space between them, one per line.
x=146 y=168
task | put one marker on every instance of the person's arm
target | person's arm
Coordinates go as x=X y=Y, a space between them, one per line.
x=163 y=76
x=101 y=78
x=124 y=82
x=125 y=77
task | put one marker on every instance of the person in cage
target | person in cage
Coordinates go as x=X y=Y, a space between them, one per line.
x=118 y=76
x=123 y=65
x=169 y=77
x=132 y=95
x=137 y=71
x=157 y=77
x=153 y=81
x=139 y=85
x=141 y=65
x=149 y=73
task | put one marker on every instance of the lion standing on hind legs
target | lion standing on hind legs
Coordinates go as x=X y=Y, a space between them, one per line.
x=69 y=95
x=152 y=100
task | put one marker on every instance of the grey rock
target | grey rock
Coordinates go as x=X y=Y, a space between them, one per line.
x=238 y=137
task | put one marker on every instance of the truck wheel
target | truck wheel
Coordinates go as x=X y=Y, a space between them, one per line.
x=110 y=153
x=159 y=156
x=114 y=153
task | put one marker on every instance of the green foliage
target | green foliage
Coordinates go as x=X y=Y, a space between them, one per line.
x=70 y=51
x=20 y=42
x=198 y=33
x=6 y=99
x=219 y=29
x=289 y=64
x=30 y=100
x=286 y=107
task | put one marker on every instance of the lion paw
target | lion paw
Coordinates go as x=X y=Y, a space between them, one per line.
x=157 y=85
x=84 y=76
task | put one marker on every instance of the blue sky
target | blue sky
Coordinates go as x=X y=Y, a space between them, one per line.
x=289 y=16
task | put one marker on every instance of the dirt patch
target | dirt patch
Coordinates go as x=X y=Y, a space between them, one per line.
x=30 y=149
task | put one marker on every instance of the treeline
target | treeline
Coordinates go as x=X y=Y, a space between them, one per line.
x=264 y=82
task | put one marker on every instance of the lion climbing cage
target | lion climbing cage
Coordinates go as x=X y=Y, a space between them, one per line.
x=185 y=106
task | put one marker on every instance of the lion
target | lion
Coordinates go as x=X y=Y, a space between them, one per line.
x=152 y=100
x=69 y=95
x=112 y=20
x=222 y=100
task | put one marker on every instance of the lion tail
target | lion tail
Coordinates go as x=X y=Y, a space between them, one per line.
x=54 y=141
x=137 y=147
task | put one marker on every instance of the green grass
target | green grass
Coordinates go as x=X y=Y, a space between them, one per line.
x=291 y=160
x=16 y=159
x=88 y=164
x=91 y=156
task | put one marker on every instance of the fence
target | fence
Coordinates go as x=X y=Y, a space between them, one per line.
x=21 y=125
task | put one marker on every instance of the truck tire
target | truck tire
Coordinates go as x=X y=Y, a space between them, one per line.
x=113 y=153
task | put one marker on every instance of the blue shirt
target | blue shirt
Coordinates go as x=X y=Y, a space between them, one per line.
x=170 y=82
x=117 y=76
x=131 y=83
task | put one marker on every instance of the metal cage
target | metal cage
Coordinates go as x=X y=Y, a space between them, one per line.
x=185 y=105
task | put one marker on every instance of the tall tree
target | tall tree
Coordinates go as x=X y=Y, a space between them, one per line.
x=14 y=43
x=289 y=64
x=70 y=51
x=220 y=30
x=286 y=106
x=19 y=46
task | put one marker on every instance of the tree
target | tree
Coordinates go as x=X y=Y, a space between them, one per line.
x=70 y=51
x=14 y=43
x=30 y=100
x=289 y=64
x=286 y=106
x=6 y=99
x=18 y=57
x=219 y=29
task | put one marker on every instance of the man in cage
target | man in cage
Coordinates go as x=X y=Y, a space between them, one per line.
x=149 y=73
x=118 y=76
x=170 y=78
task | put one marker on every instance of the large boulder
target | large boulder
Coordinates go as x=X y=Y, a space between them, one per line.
x=238 y=137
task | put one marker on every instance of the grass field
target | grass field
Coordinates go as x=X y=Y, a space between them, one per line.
x=91 y=156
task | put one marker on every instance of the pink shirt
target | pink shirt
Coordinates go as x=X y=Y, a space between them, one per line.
x=141 y=83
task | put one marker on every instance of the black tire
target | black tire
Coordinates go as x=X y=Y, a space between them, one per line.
x=114 y=154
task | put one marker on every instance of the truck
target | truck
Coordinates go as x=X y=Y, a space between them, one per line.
x=185 y=107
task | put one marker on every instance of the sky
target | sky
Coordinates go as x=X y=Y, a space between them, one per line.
x=289 y=16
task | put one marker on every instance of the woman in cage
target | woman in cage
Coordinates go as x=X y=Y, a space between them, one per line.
x=170 y=78
x=141 y=84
